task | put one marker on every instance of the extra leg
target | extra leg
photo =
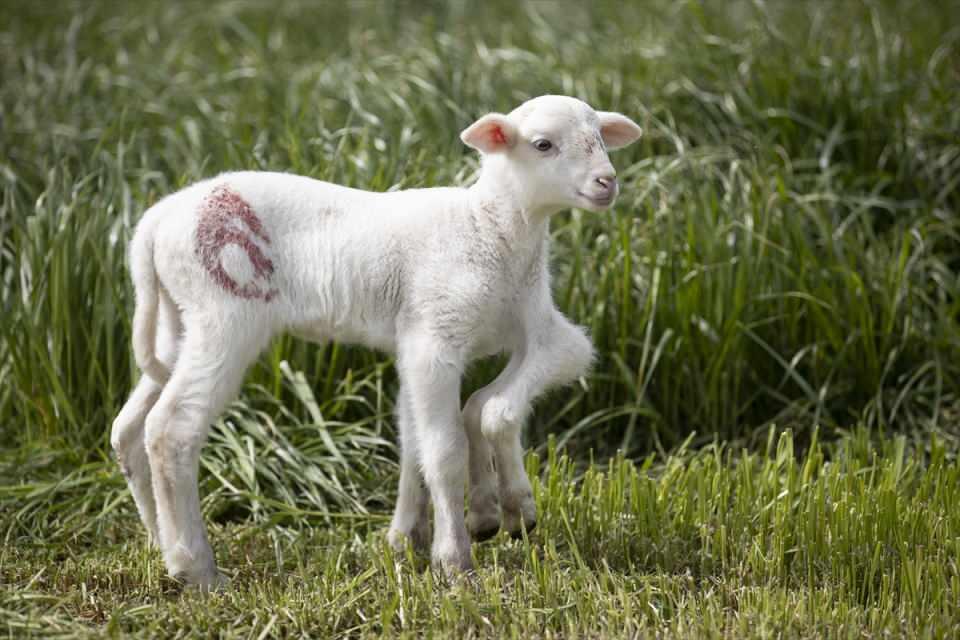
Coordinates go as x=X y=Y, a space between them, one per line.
x=411 y=518
x=207 y=375
x=431 y=378
x=557 y=354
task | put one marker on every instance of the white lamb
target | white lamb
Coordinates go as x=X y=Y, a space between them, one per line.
x=437 y=276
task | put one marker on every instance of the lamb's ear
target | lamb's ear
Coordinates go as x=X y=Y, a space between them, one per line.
x=490 y=134
x=618 y=130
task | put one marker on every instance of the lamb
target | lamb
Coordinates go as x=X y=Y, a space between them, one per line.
x=436 y=276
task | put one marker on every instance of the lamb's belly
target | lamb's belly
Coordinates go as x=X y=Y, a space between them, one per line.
x=377 y=334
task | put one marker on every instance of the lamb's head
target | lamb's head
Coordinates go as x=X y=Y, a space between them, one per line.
x=551 y=152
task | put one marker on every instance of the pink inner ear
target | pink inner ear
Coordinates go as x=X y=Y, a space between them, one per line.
x=496 y=135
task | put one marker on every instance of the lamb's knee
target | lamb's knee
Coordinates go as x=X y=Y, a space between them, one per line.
x=168 y=438
x=120 y=441
x=125 y=439
x=575 y=355
x=118 y=434
x=500 y=419
x=155 y=437
x=127 y=427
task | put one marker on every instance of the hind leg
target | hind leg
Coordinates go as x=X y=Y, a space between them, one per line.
x=207 y=375
x=127 y=437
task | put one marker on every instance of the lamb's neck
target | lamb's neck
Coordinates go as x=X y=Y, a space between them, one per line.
x=507 y=225
x=509 y=209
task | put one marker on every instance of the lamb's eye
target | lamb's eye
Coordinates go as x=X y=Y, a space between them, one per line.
x=543 y=145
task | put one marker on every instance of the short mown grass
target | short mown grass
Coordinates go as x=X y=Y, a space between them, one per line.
x=784 y=258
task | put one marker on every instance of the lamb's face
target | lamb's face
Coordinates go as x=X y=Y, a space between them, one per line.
x=554 y=149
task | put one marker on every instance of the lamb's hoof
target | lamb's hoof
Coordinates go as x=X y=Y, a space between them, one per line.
x=453 y=569
x=485 y=534
x=518 y=534
x=208 y=582
x=453 y=561
x=419 y=539
x=483 y=525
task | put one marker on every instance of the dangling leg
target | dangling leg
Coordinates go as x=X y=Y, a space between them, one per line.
x=431 y=376
x=207 y=376
x=411 y=518
x=127 y=436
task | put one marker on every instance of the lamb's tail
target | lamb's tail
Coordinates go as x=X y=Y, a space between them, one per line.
x=146 y=288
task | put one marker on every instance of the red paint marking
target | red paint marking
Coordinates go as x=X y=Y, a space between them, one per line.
x=223 y=215
x=497 y=135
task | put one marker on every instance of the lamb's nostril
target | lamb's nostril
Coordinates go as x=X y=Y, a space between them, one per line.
x=607 y=182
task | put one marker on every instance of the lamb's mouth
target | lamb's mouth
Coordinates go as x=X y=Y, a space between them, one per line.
x=602 y=201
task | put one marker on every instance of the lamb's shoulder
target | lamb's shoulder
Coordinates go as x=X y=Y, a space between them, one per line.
x=473 y=303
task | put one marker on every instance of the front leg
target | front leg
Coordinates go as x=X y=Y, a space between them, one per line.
x=555 y=353
x=483 y=513
x=430 y=374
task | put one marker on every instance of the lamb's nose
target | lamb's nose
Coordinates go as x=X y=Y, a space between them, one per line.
x=608 y=182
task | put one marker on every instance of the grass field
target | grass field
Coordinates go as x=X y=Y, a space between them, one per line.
x=767 y=445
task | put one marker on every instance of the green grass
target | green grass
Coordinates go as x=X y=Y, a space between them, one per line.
x=784 y=256
x=717 y=542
